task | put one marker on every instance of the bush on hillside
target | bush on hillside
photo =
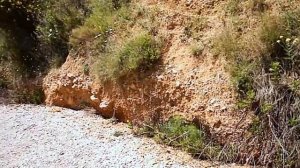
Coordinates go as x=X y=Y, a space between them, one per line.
x=137 y=55
x=180 y=133
x=55 y=25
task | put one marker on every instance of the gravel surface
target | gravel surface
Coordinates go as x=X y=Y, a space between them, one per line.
x=39 y=136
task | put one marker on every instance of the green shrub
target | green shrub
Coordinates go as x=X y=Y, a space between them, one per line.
x=57 y=21
x=11 y=62
x=179 y=133
x=137 y=55
x=185 y=135
x=96 y=24
x=39 y=31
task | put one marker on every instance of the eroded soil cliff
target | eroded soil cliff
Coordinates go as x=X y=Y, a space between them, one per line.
x=197 y=88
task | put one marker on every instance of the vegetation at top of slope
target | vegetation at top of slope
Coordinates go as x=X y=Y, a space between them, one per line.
x=265 y=68
x=137 y=55
x=115 y=59
x=105 y=17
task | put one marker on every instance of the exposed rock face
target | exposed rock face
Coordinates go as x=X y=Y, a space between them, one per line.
x=154 y=98
x=67 y=89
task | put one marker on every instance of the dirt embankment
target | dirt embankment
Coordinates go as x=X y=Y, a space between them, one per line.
x=197 y=88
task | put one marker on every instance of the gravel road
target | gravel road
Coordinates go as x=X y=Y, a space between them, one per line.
x=40 y=136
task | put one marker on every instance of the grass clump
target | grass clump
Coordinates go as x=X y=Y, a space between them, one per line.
x=227 y=44
x=185 y=135
x=195 y=26
x=104 y=18
x=104 y=33
x=137 y=55
x=182 y=134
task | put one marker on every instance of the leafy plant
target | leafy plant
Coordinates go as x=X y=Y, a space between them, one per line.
x=275 y=71
x=256 y=126
x=295 y=85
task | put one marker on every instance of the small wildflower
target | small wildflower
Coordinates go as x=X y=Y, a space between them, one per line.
x=296 y=41
x=288 y=40
x=281 y=37
x=278 y=41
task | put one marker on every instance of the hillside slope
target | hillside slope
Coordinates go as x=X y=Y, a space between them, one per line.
x=204 y=73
